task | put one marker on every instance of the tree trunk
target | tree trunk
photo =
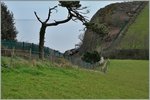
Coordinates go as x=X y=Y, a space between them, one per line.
x=41 y=41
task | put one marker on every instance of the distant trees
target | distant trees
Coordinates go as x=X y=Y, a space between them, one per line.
x=73 y=8
x=8 y=29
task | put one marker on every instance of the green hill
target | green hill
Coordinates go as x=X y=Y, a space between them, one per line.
x=137 y=35
x=128 y=37
x=26 y=79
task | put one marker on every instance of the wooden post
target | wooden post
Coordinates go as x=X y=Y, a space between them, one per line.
x=13 y=51
x=23 y=45
x=30 y=53
x=5 y=50
x=51 y=56
x=12 y=55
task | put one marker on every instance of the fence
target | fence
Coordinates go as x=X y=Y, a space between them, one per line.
x=25 y=49
x=30 y=50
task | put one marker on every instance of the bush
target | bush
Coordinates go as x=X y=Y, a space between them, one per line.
x=91 y=57
x=100 y=29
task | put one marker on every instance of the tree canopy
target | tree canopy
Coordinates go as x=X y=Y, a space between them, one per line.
x=8 y=29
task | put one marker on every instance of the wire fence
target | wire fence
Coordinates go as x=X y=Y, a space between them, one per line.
x=24 y=48
x=28 y=54
x=30 y=51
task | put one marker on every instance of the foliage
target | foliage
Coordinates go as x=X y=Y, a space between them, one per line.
x=70 y=4
x=8 y=29
x=91 y=57
x=100 y=29
x=126 y=79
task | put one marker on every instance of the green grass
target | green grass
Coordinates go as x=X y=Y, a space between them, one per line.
x=124 y=79
x=137 y=35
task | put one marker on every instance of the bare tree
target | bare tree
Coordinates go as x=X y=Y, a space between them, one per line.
x=74 y=14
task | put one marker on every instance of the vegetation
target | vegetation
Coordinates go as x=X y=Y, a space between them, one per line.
x=8 y=29
x=100 y=29
x=42 y=79
x=138 y=33
x=91 y=57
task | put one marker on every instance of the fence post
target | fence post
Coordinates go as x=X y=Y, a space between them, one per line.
x=12 y=55
x=32 y=46
x=23 y=45
x=13 y=51
x=51 y=55
x=30 y=53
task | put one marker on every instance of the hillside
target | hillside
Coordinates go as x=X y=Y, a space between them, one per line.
x=46 y=80
x=128 y=25
x=137 y=35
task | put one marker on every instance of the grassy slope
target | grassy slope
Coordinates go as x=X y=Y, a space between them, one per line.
x=137 y=36
x=125 y=79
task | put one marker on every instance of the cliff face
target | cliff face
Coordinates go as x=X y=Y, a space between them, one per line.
x=118 y=18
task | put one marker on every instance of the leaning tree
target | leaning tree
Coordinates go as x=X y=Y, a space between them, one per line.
x=74 y=13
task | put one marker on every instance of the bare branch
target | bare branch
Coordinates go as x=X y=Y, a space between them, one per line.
x=82 y=8
x=61 y=22
x=77 y=15
x=53 y=8
x=74 y=19
x=49 y=13
x=38 y=17
x=55 y=21
x=87 y=11
x=72 y=14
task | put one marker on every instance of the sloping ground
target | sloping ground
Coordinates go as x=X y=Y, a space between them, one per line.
x=137 y=36
x=43 y=80
x=133 y=43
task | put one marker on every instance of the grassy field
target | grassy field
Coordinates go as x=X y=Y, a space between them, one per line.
x=124 y=79
x=137 y=36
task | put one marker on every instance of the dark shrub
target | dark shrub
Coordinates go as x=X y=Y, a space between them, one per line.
x=91 y=57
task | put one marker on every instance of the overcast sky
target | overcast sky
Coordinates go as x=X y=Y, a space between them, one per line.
x=61 y=37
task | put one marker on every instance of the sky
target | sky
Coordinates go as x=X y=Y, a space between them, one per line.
x=62 y=37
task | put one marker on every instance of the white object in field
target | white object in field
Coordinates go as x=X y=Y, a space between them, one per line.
x=101 y=61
